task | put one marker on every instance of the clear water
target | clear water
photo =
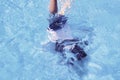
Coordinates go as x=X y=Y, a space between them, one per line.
x=23 y=26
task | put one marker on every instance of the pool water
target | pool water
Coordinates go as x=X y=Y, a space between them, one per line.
x=23 y=55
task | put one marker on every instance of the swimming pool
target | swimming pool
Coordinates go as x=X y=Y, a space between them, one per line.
x=23 y=26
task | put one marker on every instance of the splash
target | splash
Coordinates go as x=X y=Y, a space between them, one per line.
x=65 y=4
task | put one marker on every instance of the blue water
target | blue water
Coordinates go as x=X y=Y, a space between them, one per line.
x=23 y=26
